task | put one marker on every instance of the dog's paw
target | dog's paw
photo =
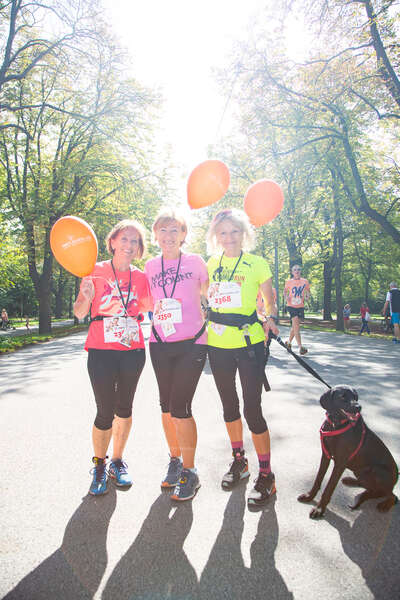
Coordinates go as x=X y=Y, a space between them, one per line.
x=316 y=513
x=305 y=498
x=387 y=504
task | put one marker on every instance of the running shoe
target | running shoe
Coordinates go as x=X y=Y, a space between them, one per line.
x=118 y=471
x=187 y=487
x=239 y=469
x=173 y=474
x=264 y=487
x=303 y=350
x=99 y=472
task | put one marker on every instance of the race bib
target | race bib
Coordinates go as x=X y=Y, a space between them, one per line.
x=167 y=309
x=224 y=294
x=123 y=330
x=168 y=327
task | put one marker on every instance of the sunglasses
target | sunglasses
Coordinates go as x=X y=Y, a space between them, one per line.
x=222 y=214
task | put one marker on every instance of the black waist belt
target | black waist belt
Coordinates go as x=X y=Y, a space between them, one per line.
x=233 y=319
x=138 y=317
x=241 y=322
x=194 y=339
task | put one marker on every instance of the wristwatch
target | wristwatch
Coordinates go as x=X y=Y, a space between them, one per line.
x=275 y=319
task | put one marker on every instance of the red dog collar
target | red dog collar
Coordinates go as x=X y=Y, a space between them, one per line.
x=350 y=425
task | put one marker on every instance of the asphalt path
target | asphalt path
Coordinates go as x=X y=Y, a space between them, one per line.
x=57 y=542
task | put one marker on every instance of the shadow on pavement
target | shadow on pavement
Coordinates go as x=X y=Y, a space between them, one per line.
x=156 y=566
x=370 y=543
x=34 y=363
x=74 y=571
x=225 y=574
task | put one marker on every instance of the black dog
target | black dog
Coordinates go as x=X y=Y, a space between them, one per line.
x=352 y=445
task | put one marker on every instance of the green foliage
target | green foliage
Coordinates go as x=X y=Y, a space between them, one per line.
x=79 y=140
x=326 y=127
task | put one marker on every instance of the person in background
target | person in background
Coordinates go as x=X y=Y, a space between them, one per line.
x=365 y=317
x=4 y=318
x=116 y=293
x=297 y=289
x=346 y=316
x=236 y=343
x=393 y=302
x=27 y=322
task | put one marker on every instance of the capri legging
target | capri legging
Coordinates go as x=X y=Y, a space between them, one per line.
x=224 y=364
x=114 y=376
x=178 y=366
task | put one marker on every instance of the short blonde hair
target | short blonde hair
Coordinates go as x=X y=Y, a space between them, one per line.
x=166 y=216
x=127 y=224
x=237 y=217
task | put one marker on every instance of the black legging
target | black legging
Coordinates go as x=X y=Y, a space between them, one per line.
x=224 y=364
x=178 y=366
x=114 y=375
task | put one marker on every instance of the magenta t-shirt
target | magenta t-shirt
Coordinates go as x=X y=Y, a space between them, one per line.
x=192 y=273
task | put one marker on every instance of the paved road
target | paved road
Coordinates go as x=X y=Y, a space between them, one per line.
x=59 y=543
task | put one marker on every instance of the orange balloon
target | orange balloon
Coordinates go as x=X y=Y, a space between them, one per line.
x=74 y=244
x=263 y=201
x=207 y=183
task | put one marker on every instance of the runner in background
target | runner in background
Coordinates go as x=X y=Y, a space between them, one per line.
x=116 y=293
x=393 y=302
x=178 y=345
x=365 y=317
x=236 y=342
x=4 y=318
x=297 y=289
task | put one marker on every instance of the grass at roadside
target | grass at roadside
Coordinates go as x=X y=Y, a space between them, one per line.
x=331 y=328
x=10 y=344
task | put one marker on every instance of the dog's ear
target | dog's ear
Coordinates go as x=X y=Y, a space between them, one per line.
x=326 y=399
x=354 y=391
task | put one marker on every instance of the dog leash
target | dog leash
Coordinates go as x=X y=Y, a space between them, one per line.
x=302 y=362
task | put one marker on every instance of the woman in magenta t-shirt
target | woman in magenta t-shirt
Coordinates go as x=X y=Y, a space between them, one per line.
x=364 y=312
x=115 y=293
x=177 y=345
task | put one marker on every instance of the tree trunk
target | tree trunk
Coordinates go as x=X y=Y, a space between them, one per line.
x=363 y=204
x=44 y=297
x=385 y=67
x=41 y=282
x=70 y=301
x=327 y=310
x=338 y=252
x=294 y=255
x=59 y=294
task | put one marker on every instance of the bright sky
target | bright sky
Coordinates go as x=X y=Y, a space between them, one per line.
x=174 y=44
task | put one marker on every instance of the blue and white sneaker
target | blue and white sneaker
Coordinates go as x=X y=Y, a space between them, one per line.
x=187 y=487
x=99 y=471
x=173 y=474
x=118 y=471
